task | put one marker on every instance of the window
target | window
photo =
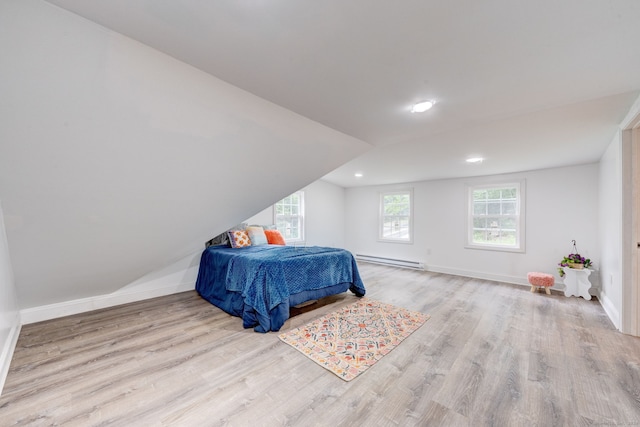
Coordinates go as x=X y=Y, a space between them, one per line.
x=396 y=216
x=288 y=215
x=496 y=217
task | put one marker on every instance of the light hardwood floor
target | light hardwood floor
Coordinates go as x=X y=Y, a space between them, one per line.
x=491 y=355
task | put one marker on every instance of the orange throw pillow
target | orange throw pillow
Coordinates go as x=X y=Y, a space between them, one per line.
x=274 y=237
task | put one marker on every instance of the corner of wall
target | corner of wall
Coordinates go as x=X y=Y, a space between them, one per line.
x=9 y=315
x=611 y=310
x=8 y=347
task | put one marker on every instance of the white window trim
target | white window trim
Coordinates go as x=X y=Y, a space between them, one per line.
x=520 y=237
x=381 y=216
x=301 y=216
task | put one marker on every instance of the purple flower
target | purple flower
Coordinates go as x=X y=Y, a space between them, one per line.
x=576 y=258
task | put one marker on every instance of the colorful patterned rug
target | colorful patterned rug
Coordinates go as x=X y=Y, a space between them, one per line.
x=352 y=339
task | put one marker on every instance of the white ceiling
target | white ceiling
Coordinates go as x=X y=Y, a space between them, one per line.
x=527 y=85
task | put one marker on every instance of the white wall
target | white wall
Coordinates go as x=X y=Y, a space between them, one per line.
x=180 y=276
x=117 y=161
x=324 y=227
x=561 y=205
x=610 y=230
x=324 y=215
x=9 y=316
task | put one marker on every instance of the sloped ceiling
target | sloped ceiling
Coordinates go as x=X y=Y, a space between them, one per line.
x=512 y=79
x=116 y=159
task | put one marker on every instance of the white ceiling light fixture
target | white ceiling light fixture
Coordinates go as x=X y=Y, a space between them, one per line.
x=358 y=175
x=475 y=160
x=422 y=106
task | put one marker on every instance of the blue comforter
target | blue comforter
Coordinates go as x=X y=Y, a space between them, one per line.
x=260 y=283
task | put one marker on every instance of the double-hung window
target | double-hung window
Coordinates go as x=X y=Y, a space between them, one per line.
x=288 y=215
x=396 y=216
x=496 y=217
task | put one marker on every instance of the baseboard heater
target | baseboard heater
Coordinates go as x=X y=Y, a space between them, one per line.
x=391 y=261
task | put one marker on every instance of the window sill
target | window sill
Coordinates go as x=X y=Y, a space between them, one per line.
x=495 y=248
x=404 y=242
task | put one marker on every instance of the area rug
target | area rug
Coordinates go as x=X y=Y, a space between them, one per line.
x=352 y=339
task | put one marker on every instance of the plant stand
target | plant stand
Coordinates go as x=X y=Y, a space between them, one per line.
x=577 y=283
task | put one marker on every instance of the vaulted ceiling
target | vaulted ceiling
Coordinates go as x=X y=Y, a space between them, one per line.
x=526 y=85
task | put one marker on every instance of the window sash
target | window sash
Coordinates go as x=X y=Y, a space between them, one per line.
x=396 y=219
x=495 y=219
x=290 y=227
x=288 y=216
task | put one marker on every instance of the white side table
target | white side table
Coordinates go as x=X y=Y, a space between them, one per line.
x=576 y=282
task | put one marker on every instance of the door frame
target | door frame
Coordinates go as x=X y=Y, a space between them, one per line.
x=630 y=159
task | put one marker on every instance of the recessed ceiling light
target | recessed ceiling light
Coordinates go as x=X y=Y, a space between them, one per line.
x=475 y=160
x=423 y=106
x=358 y=175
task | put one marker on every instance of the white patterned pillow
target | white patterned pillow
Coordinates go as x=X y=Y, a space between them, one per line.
x=239 y=238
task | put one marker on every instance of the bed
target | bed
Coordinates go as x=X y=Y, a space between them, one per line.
x=260 y=283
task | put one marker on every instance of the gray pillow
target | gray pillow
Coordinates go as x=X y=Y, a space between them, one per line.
x=223 y=238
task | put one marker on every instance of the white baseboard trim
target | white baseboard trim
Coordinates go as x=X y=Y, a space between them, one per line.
x=82 y=305
x=478 y=275
x=611 y=310
x=8 y=348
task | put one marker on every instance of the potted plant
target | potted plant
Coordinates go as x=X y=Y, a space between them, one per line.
x=573 y=260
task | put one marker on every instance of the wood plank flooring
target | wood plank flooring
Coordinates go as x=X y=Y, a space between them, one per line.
x=491 y=355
